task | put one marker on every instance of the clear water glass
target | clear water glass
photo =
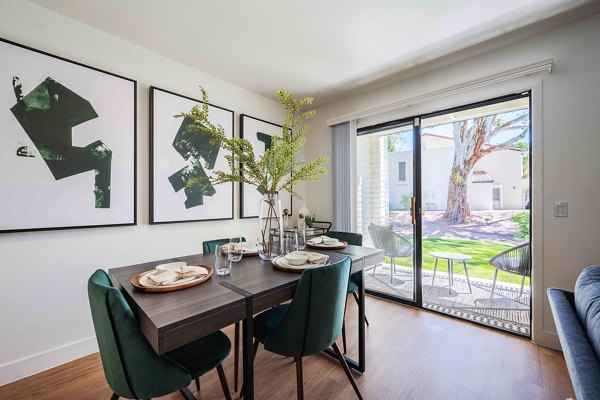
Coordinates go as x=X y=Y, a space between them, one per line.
x=289 y=242
x=234 y=249
x=222 y=266
x=300 y=239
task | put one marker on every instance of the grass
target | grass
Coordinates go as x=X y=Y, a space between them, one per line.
x=479 y=266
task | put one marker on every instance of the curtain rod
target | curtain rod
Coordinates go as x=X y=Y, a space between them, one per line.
x=540 y=66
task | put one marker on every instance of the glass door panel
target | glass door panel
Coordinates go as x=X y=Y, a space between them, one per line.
x=385 y=204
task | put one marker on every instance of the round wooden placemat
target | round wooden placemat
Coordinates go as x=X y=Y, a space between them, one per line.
x=295 y=270
x=339 y=247
x=135 y=281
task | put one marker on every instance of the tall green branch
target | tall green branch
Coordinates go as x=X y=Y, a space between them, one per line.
x=278 y=168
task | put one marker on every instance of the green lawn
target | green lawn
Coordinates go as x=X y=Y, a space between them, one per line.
x=479 y=266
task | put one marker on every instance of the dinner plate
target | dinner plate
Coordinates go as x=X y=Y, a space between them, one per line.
x=282 y=264
x=172 y=266
x=140 y=281
x=341 y=244
x=247 y=251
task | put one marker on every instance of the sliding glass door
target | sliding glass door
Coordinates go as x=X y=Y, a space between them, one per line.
x=447 y=195
x=385 y=205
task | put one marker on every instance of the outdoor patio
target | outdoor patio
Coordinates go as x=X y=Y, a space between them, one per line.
x=506 y=310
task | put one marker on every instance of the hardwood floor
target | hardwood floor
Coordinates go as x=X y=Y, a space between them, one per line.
x=411 y=354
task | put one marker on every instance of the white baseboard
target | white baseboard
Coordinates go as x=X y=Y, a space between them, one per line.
x=31 y=365
x=547 y=339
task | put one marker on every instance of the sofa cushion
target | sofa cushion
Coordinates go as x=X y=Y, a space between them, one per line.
x=587 y=304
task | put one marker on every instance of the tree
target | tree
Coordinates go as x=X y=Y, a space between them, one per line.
x=473 y=140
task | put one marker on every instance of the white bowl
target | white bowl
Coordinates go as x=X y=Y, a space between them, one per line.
x=174 y=266
x=296 y=258
x=330 y=241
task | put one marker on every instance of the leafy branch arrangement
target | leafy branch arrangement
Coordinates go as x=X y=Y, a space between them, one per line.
x=278 y=168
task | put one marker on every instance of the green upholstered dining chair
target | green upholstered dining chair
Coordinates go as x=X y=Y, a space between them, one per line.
x=131 y=367
x=354 y=239
x=209 y=246
x=312 y=322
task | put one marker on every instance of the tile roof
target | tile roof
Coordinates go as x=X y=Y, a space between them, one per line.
x=482 y=177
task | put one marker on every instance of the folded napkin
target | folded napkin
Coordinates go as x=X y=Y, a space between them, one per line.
x=189 y=271
x=316 y=258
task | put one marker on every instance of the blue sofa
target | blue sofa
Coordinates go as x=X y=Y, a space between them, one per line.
x=577 y=317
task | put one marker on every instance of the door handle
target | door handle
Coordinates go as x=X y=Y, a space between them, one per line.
x=413 y=202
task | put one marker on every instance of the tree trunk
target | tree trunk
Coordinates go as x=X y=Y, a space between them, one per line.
x=457 y=208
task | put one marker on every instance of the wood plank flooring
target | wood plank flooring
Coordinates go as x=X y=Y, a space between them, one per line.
x=411 y=354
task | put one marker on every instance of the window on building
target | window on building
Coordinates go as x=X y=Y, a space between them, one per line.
x=402 y=171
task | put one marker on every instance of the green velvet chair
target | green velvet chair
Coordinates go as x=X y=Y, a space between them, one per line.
x=131 y=367
x=208 y=247
x=354 y=239
x=312 y=322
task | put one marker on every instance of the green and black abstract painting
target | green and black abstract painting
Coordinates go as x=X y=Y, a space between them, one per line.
x=48 y=114
x=193 y=147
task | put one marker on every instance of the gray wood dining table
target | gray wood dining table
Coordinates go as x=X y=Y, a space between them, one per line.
x=170 y=320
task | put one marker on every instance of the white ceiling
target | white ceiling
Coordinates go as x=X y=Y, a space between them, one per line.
x=326 y=48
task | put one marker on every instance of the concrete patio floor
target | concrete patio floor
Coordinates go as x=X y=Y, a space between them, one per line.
x=506 y=310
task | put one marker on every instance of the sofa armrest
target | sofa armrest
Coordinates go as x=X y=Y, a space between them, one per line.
x=583 y=364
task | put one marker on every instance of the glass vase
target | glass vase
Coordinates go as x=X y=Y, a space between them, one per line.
x=270 y=224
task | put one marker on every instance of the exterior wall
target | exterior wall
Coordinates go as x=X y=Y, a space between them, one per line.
x=399 y=190
x=506 y=167
x=479 y=196
x=373 y=203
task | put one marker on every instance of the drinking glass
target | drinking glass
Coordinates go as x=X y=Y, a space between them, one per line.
x=300 y=239
x=222 y=266
x=234 y=249
x=289 y=242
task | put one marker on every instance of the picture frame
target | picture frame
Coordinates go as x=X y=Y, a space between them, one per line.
x=251 y=128
x=177 y=155
x=68 y=143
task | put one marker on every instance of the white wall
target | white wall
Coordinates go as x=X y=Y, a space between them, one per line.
x=44 y=312
x=506 y=168
x=565 y=149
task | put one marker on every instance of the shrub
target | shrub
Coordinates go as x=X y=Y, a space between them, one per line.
x=522 y=221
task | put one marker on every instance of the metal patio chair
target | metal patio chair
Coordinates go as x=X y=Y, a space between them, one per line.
x=515 y=260
x=393 y=245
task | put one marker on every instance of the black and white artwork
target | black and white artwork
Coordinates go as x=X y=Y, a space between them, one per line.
x=182 y=161
x=67 y=143
x=259 y=133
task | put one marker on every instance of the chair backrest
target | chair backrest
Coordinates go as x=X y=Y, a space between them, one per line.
x=516 y=260
x=209 y=246
x=316 y=314
x=392 y=243
x=352 y=238
x=131 y=367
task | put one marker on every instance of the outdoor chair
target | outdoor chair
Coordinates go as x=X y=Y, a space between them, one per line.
x=393 y=245
x=515 y=260
x=353 y=239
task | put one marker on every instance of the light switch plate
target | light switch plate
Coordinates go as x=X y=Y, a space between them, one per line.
x=561 y=209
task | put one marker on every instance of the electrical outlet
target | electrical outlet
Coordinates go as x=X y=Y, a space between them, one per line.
x=561 y=209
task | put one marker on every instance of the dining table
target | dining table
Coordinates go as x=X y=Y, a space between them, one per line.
x=170 y=320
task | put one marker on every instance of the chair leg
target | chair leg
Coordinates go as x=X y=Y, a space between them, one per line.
x=392 y=268
x=197 y=384
x=374 y=266
x=494 y=284
x=187 y=395
x=434 y=271
x=357 y=302
x=114 y=396
x=299 y=380
x=522 y=284
x=346 y=369
x=236 y=356
x=224 y=383
x=254 y=351
x=344 y=335
x=467 y=274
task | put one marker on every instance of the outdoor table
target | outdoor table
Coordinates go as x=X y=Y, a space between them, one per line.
x=170 y=320
x=451 y=257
